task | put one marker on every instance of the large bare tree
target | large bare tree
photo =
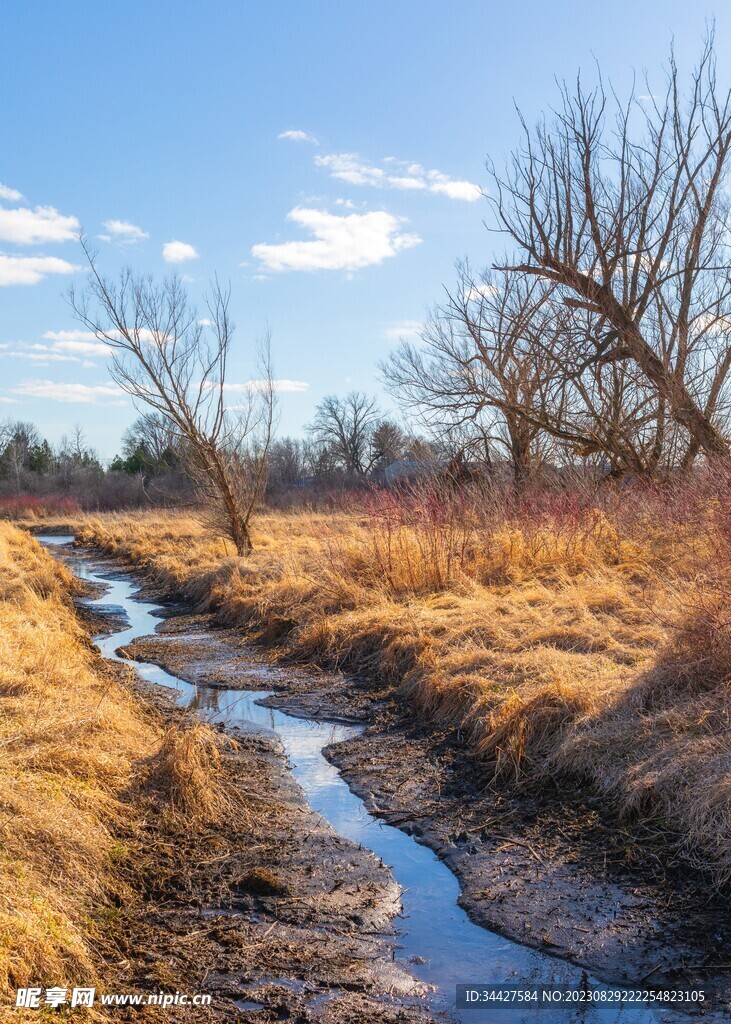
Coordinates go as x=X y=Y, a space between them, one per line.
x=503 y=361
x=623 y=208
x=168 y=359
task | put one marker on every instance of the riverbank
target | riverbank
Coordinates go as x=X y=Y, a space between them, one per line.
x=581 y=652
x=73 y=741
x=436 y=942
x=550 y=868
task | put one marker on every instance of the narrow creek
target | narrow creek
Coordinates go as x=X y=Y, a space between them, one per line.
x=434 y=938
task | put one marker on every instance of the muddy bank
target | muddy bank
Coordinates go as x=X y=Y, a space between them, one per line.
x=548 y=870
x=276 y=915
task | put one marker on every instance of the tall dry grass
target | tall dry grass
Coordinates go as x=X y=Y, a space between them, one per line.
x=81 y=761
x=569 y=635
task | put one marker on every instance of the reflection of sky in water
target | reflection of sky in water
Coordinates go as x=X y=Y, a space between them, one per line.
x=433 y=925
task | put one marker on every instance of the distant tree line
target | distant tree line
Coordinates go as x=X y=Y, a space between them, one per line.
x=31 y=466
x=349 y=442
x=25 y=454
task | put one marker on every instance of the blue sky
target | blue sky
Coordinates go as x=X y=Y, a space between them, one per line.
x=320 y=155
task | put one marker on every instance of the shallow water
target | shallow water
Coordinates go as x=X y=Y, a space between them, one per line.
x=432 y=928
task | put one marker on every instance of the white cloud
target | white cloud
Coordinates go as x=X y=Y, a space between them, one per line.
x=297 y=135
x=477 y=292
x=464 y=190
x=10 y=194
x=53 y=391
x=123 y=231
x=345 y=242
x=710 y=323
x=410 y=329
x=205 y=322
x=88 y=343
x=23 y=226
x=178 y=252
x=282 y=385
x=32 y=269
x=349 y=167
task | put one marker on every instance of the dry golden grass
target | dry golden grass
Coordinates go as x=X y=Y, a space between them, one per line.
x=74 y=741
x=558 y=650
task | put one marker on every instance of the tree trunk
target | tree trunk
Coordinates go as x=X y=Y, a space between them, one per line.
x=241 y=537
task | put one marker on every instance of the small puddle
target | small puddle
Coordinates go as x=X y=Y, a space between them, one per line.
x=436 y=941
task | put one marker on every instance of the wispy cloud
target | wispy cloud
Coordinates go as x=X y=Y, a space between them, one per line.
x=178 y=252
x=83 y=343
x=122 y=231
x=54 y=391
x=10 y=194
x=32 y=269
x=406 y=329
x=37 y=353
x=23 y=226
x=396 y=174
x=58 y=347
x=75 y=346
x=297 y=135
x=346 y=242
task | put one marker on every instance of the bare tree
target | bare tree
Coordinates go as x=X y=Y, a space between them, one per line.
x=289 y=461
x=165 y=358
x=502 y=371
x=344 y=427
x=631 y=227
x=389 y=443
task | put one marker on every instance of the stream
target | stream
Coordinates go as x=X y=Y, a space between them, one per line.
x=435 y=939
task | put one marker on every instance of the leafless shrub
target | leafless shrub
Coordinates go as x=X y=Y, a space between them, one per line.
x=167 y=359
